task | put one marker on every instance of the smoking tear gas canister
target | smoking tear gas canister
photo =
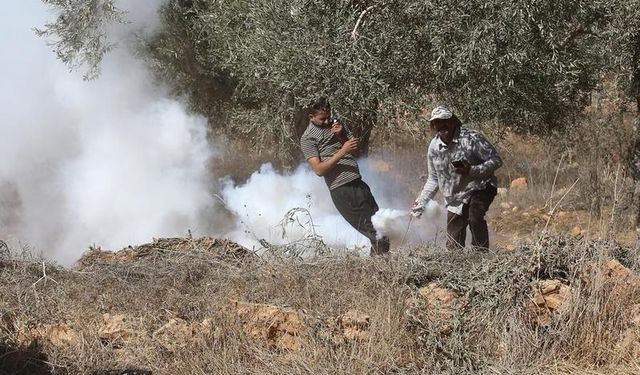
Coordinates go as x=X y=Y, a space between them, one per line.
x=394 y=223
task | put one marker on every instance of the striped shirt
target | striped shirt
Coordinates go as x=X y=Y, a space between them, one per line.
x=469 y=145
x=319 y=141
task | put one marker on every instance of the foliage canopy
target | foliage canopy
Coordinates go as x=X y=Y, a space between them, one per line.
x=253 y=65
x=80 y=38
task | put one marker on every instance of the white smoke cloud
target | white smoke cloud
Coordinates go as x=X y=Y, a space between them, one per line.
x=262 y=202
x=110 y=162
x=396 y=223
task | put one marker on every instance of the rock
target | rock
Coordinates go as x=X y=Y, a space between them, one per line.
x=520 y=184
x=576 y=232
x=115 y=328
x=616 y=270
x=288 y=330
x=503 y=191
x=438 y=298
x=289 y=342
x=61 y=335
x=58 y=335
x=515 y=209
x=280 y=328
x=629 y=345
x=436 y=305
x=505 y=205
x=352 y=326
x=621 y=275
x=178 y=333
x=549 y=297
x=620 y=278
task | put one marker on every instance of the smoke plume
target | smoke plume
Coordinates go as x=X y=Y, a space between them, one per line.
x=260 y=204
x=109 y=162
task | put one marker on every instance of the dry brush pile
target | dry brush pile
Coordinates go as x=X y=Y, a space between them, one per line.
x=206 y=306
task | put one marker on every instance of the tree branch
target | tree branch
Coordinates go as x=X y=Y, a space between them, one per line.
x=364 y=12
x=582 y=30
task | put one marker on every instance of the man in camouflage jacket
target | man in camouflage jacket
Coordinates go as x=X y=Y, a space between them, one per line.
x=461 y=165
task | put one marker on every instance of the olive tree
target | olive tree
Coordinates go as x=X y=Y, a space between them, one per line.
x=254 y=65
x=78 y=35
x=622 y=48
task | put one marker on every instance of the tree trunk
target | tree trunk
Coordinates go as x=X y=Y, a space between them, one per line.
x=293 y=126
x=300 y=122
x=364 y=126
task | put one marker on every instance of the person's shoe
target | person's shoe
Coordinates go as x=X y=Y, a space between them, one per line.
x=381 y=246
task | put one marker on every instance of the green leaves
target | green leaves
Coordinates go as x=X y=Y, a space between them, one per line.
x=527 y=64
x=79 y=36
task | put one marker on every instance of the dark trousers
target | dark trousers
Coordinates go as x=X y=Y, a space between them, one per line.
x=357 y=205
x=472 y=215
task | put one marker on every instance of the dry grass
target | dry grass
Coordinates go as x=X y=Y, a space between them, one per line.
x=488 y=331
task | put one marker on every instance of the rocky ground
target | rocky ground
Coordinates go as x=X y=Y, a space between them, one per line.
x=560 y=304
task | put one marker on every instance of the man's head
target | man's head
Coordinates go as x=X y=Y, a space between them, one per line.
x=444 y=123
x=320 y=112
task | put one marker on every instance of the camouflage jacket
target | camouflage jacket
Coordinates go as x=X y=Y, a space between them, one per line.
x=468 y=145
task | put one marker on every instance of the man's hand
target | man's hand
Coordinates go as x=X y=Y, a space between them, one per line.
x=417 y=210
x=463 y=170
x=336 y=128
x=321 y=168
x=338 y=131
x=350 y=146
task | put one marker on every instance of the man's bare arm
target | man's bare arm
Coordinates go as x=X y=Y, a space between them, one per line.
x=321 y=168
x=344 y=134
